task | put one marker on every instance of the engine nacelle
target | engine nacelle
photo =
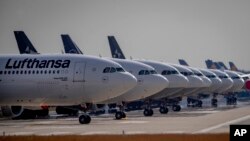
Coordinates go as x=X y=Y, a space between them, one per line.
x=20 y=112
x=12 y=111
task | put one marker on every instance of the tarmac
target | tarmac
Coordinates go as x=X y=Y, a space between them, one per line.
x=187 y=121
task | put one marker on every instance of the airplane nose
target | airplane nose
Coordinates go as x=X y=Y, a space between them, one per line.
x=196 y=82
x=161 y=83
x=241 y=84
x=216 y=84
x=184 y=81
x=229 y=83
x=129 y=81
x=207 y=82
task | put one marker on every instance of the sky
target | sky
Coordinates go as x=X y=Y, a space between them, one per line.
x=162 y=30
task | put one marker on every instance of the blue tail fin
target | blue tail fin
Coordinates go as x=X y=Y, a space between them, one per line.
x=233 y=67
x=217 y=66
x=223 y=65
x=69 y=45
x=183 y=62
x=24 y=44
x=116 y=51
x=210 y=64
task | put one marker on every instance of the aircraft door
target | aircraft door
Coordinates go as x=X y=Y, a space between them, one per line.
x=79 y=72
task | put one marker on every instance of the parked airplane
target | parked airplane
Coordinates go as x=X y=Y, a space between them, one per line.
x=163 y=68
x=23 y=42
x=26 y=47
x=213 y=88
x=59 y=80
x=149 y=82
x=237 y=84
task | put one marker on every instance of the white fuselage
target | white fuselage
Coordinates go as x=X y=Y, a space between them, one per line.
x=177 y=81
x=227 y=82
x=216 y=81
x=59 y=79
x=206 y=81
x=148 y=81
x=195 y=82
x=238 y=82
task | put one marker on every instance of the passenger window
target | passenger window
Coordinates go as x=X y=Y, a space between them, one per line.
x=106 y=70
x=13 y=72
x=21 y=72
x=37 y=72
x=58 y=71
x=49 y=71
x=112 y=70
x=45 y=72
x=33 y=72
x=17 y=72
x=1 y=72
x=41 y=72
x=29 y=72
x=141 y=72
x=25 y=72
x=5 y=72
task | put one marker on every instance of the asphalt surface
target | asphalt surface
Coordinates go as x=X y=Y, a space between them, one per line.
x=189 y=120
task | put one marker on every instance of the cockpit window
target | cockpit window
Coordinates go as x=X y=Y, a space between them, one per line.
x=164 y=72
x=112 y=70
x=120 y=70
x=174 y=72
x=211 y=76
x=141 y=72
x=184 y=73
x=223 y=76
x=146 y=72
x=187 y=73
x=169 y=72
x=153 y=72
x=198 y=74
x=106 y=70
x=235 y=77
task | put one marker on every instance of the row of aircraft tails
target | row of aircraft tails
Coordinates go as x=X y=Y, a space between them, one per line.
x=32 y=82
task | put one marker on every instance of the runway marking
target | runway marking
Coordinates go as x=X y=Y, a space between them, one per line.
x=95 y=132
x=223 y=124
x=134 y=132
x=134 y=122
x=22 y=133
x=58 y=133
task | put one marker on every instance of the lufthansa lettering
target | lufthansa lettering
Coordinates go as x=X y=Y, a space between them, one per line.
x=35 y=63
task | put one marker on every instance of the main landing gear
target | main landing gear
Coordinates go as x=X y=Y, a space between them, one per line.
x=120 y=114
x=214 y=101
x=148 y=110
x=231 y=99
x=192 y=102
x=84 y=119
